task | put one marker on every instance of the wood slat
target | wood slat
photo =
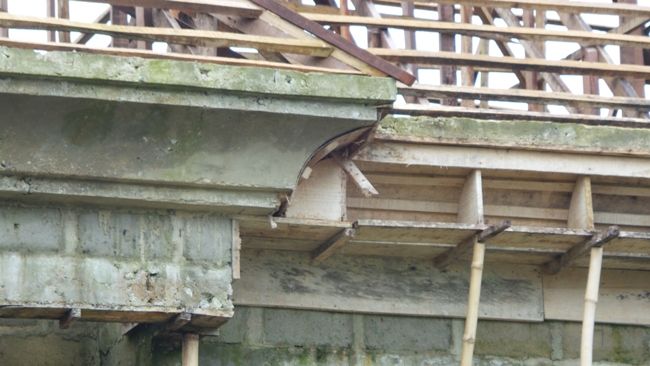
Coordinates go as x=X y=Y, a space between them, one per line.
x=227 y=7
x=176 y=36
x=512 y=63
x=558 y=5
x=583 y=38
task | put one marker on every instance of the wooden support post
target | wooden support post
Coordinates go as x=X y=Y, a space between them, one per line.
x=69 y=317
x=590 y=82
x=50 y=12
x=140 y=22
x=63 y=12
x=4 y=32
x=190 y=349
x=119 y=17
x=344 y=29
x=332 y=244
x=484 y=49
x=467 y=72
x=532 y=77
x=447 y=43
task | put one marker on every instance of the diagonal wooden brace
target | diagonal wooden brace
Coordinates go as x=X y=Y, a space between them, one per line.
x=443 y=260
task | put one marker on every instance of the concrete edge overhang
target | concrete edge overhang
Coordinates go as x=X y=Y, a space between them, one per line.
x=262 y=106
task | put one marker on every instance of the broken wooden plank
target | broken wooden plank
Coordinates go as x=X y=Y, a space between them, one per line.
x=70 y=316
x=597 y=240
x=177 y=36
x=335 y=40
x=328 y=248
x=445 y=259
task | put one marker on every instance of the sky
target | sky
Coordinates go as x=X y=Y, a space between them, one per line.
x=428 y=41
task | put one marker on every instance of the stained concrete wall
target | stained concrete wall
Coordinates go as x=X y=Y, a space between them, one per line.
x=267 y=336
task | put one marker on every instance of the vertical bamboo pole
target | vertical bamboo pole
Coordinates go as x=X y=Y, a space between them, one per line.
x=471 y=319
x=591 y=299
x=470 y=211
x=190 y=349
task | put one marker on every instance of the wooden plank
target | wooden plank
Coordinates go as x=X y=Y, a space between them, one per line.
x=560 y=6
x=326 y=249
x=511 y=63
x=445 y=111
x=506 y=34
x=538 y=238
x=522 y=95
x=336 y=41
x=503 y=159
x=227 y=7
x=126 y=52
x=383 y=286
x=414 y=231
x=177 y=36
x=623 y=297
x=597 y=240
x=236 y=250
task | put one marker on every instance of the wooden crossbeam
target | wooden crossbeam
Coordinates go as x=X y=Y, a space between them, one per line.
x=521 y=95
x=566 y=259
x=128 y=52
x=177 y=36
x=511 y=63
x=227 y=7
x=584 y=38
x=443 y=260
x=70 y=316
x=178 y=322
x=357 y=176
x=444 y=111
x=103 y=18
x=336 y=41
x=332 y=244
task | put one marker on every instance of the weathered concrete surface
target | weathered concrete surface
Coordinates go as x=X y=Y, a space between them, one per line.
x=384 y=285
x=355 y=339
x=139 y=124
x=152 y=263
x=517 y=134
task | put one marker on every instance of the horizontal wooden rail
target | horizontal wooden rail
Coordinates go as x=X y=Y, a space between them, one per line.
x=521 y=95
x=227 y=7
x=131 y=52
x=177 y=36
x=487 y=31
x=512 y=63
x=558 y=5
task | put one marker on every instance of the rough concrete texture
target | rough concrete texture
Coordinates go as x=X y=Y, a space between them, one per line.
x=269 y=337
x=325 y=339
x=169 y=73
x=62 y=257
x=518 y=134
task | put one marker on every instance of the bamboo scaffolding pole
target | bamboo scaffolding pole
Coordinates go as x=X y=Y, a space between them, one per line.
x=471 y=320
x=190 y=352
x=591 y=299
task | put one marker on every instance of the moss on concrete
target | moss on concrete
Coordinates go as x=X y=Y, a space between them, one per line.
x=524 y=134
x=184 y=74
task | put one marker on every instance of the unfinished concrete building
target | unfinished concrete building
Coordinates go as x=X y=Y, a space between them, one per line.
x=363 y=182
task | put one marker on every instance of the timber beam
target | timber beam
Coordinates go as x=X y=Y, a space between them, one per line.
x=443 y=260
x=332 y=244
x=597 y=240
